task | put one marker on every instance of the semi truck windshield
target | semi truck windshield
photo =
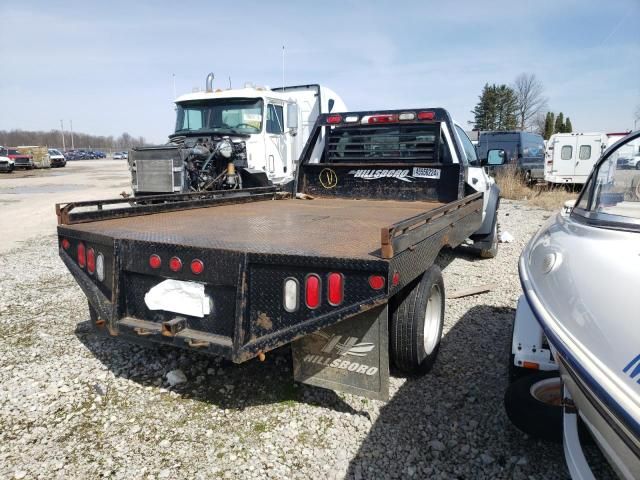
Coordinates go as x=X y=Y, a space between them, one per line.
x=242 y=115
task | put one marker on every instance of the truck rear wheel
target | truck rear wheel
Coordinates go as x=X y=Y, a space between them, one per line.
x=416 y=324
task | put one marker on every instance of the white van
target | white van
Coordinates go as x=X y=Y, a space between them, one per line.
x=571 y=156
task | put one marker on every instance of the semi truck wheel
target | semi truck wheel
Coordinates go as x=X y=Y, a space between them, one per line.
x=416 y=324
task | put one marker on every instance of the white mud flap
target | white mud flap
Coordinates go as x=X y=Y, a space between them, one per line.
x=351 y=357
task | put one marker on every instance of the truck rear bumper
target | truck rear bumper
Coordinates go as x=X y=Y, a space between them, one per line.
x=240 y=333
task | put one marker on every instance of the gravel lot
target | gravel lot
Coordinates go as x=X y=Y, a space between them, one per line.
x=75 y=405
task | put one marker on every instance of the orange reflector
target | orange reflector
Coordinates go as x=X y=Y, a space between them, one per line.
x=531 y=365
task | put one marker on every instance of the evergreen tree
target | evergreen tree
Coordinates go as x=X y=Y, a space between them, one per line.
x=549 y=125
x=497 y=109
x=568 y=128
x=559 y=124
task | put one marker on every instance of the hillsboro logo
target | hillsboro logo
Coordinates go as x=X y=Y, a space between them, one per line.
x=635 y=363
x=376 y=174
x=350 y=346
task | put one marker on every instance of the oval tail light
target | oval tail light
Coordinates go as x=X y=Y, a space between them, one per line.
x=335 y=289
x=100 y=267
x=91 y=261
x=82 y=255
x=312 y=291
x=291 y=295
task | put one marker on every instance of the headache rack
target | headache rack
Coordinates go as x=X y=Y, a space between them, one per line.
x=95 y=210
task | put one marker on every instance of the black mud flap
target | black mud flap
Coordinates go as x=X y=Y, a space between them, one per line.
x=351 y=356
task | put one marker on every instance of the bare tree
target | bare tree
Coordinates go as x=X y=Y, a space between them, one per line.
x=530 y=99
x=538 y=123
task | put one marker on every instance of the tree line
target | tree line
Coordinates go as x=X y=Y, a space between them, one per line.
x=520 y=106
x=53 y=139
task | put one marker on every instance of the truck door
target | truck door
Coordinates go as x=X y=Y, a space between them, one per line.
x=275 y=143
x=589 y=148
x=564 y=157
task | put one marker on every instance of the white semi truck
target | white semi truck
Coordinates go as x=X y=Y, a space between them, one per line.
x=233 y=138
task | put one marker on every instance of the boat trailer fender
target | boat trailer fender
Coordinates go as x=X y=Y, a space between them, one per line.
x=527 y=341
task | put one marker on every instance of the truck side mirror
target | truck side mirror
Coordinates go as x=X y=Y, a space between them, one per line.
x=330 y=104
x=495 y=157
x=292 y=116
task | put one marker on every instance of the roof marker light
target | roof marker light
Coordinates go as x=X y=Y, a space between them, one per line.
x=387 y=118
x=426 y=115
x=407 y=116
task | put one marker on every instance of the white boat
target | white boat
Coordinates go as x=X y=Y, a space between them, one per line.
x=580 y=315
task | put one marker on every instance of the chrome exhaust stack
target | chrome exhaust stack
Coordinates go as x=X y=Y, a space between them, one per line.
x=210 y=78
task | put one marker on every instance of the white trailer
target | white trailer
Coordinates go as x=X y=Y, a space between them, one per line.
x=571 y=156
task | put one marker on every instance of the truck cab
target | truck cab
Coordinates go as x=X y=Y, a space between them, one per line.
x=264 y=128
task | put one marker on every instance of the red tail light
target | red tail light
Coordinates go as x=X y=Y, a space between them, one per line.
x=197 y=267
x=426 y=115
x=175 y=264
x=312 y=291
x=65 y=244
x=335 y=289
x=396 y=278
x=82 y=257
x=333 y=119
x=377 y=282
x=383 y=118
x=155 y=261
x=91 y=261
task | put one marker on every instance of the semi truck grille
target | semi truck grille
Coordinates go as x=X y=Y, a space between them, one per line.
x=155 y=175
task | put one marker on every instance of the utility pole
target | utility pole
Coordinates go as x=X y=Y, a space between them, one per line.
x=174 y=86
x=283 y=67
x=71 y=122
x=62 y=131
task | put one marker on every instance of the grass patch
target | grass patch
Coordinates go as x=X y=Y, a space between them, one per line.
x=513 y=187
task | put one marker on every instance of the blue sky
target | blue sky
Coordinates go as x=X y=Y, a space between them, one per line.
x=109 y=65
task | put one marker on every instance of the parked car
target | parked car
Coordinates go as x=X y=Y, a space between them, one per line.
x=575 y=351
x=524 y=151
x=56 y=158
x=117 y=156
x=21 y=160
x=6 y=163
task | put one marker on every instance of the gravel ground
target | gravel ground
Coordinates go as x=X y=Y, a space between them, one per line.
x=76 y=405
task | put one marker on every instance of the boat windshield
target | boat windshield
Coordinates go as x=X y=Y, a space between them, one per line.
x=613 y=191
